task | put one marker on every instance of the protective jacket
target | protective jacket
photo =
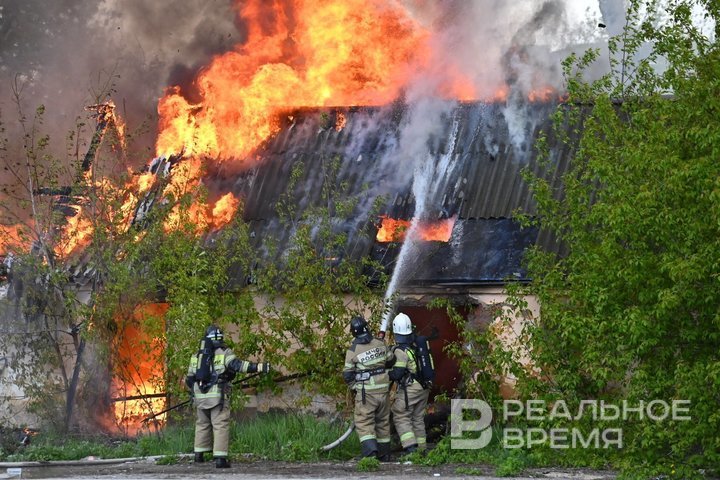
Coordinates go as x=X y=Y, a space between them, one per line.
x=404 y=371
x=411 y=400
x=212 y=427
x=365 y=371
x=226 y=365
x=365 y=365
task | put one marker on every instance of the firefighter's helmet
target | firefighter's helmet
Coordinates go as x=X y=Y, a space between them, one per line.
x=402 y=324
x=214 y=333
x=358 y=326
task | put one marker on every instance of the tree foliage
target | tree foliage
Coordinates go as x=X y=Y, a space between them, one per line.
x=82 y=276
x=43 y=338
x=121 y=314
x=314 y=286
x=631 y=312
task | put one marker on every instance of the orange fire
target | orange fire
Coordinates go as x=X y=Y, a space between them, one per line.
x=224 y=210
x=394 y=230
x=300 y=53
x=340 y=121
x=545 y=94
x=78 y=230
x=138 y=382
x=106 y=113
x=13 y=238
x=75 y=233
x=204 y=217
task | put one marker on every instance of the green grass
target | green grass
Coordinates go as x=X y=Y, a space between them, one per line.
x=168 y=460
x=47 y=447
x=271 y=436
x=291 y=438
x=298 y=438
x=510 y=462
x=368 y=464
x=506 y=462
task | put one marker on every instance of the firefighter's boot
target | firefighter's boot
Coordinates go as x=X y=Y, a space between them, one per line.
x=369 y=448
x=221 y=462
x=384 y=451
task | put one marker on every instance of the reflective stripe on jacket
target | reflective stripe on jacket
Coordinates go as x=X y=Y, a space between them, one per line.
x=405 y=360
x=362 y=357
x=223 y=357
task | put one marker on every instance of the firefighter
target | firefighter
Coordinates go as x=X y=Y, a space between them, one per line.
x=408 y=408
x=209 y=378
x=365 y=371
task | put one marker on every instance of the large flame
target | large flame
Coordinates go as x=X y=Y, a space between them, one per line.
x=76 y=233
x=302 y=53
x=395 y=230
x=224 y=210
x=138 y=382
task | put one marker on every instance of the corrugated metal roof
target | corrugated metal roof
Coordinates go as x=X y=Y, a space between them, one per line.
x=487 y=183
x=487 y=146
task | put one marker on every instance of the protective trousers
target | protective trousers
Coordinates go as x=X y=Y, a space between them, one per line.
x=212 y=430
x=372 y=418
x=410 y=421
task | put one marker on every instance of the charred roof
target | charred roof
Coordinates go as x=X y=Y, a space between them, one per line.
x=477 y=151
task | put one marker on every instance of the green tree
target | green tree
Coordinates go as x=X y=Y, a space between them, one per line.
x=83 y=272
x=49 y=203
x=315 y=285
x=153 y=282
x=631 y=312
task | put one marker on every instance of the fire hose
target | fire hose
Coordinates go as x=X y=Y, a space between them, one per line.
x=433 y=335
x=342 y=438
x=324 y=448
x=350 y=399
x=182 y=404
x=241 y=381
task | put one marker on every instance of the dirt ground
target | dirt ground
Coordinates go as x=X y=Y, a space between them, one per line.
x=275 y=470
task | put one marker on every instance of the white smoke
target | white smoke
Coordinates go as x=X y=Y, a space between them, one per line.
x=509 y=49
x=425 y=120
x=69 y=50
x=613 y=15
x=498 y=45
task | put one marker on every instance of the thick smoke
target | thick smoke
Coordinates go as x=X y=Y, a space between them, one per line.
x=613 y=15
x=67 y=52
x=516 y=44
x=509 y=49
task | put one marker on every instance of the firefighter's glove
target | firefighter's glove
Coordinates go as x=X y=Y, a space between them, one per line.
x=190 y=382
x=397 y=374
x=264 y=367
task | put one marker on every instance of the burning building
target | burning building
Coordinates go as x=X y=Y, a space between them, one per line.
x=369 y=89
x=465 y=244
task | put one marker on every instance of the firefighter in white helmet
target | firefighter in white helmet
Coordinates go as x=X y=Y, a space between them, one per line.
x=411 y=399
